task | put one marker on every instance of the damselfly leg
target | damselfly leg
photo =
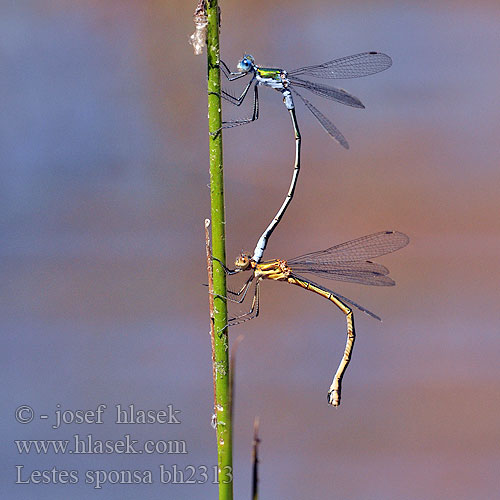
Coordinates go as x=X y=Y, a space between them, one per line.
x=237 y=101
x=254 y=309
x=231 y=75
x=242 y=291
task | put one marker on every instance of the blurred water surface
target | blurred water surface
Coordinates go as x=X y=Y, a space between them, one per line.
x=104 y=172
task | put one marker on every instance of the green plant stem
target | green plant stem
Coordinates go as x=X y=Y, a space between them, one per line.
x=222 y=391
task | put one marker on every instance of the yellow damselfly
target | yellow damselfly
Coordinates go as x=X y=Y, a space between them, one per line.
x=349 y=262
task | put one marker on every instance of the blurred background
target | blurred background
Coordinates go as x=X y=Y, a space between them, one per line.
x=103 y=194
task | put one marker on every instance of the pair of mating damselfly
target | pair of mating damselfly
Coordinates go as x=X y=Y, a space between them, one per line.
x=348 y=261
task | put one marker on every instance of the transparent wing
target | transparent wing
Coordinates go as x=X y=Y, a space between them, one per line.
x=341 y=297
x=364 y=273
x=325 y=122
x=338 y=95
x=358 y=65
x=360 y=249
x=355 y=304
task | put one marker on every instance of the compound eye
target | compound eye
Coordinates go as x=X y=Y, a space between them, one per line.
x=245 y=65
x=243 y=262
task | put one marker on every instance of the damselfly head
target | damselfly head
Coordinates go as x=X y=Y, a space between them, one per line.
x=243 y=261
x=246 y=64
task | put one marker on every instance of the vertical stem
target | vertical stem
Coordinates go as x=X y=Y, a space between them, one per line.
x=223 y=410
x=210 y=273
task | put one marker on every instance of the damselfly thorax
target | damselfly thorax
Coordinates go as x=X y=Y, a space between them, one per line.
x=276 y=79
x=277 y=270
x=272 y=77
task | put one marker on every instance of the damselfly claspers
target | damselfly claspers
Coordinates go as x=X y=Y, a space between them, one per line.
x=286 y=82
x=345 y=262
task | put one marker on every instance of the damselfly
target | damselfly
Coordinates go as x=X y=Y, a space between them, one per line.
x=286 y=82
x=348 y=262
